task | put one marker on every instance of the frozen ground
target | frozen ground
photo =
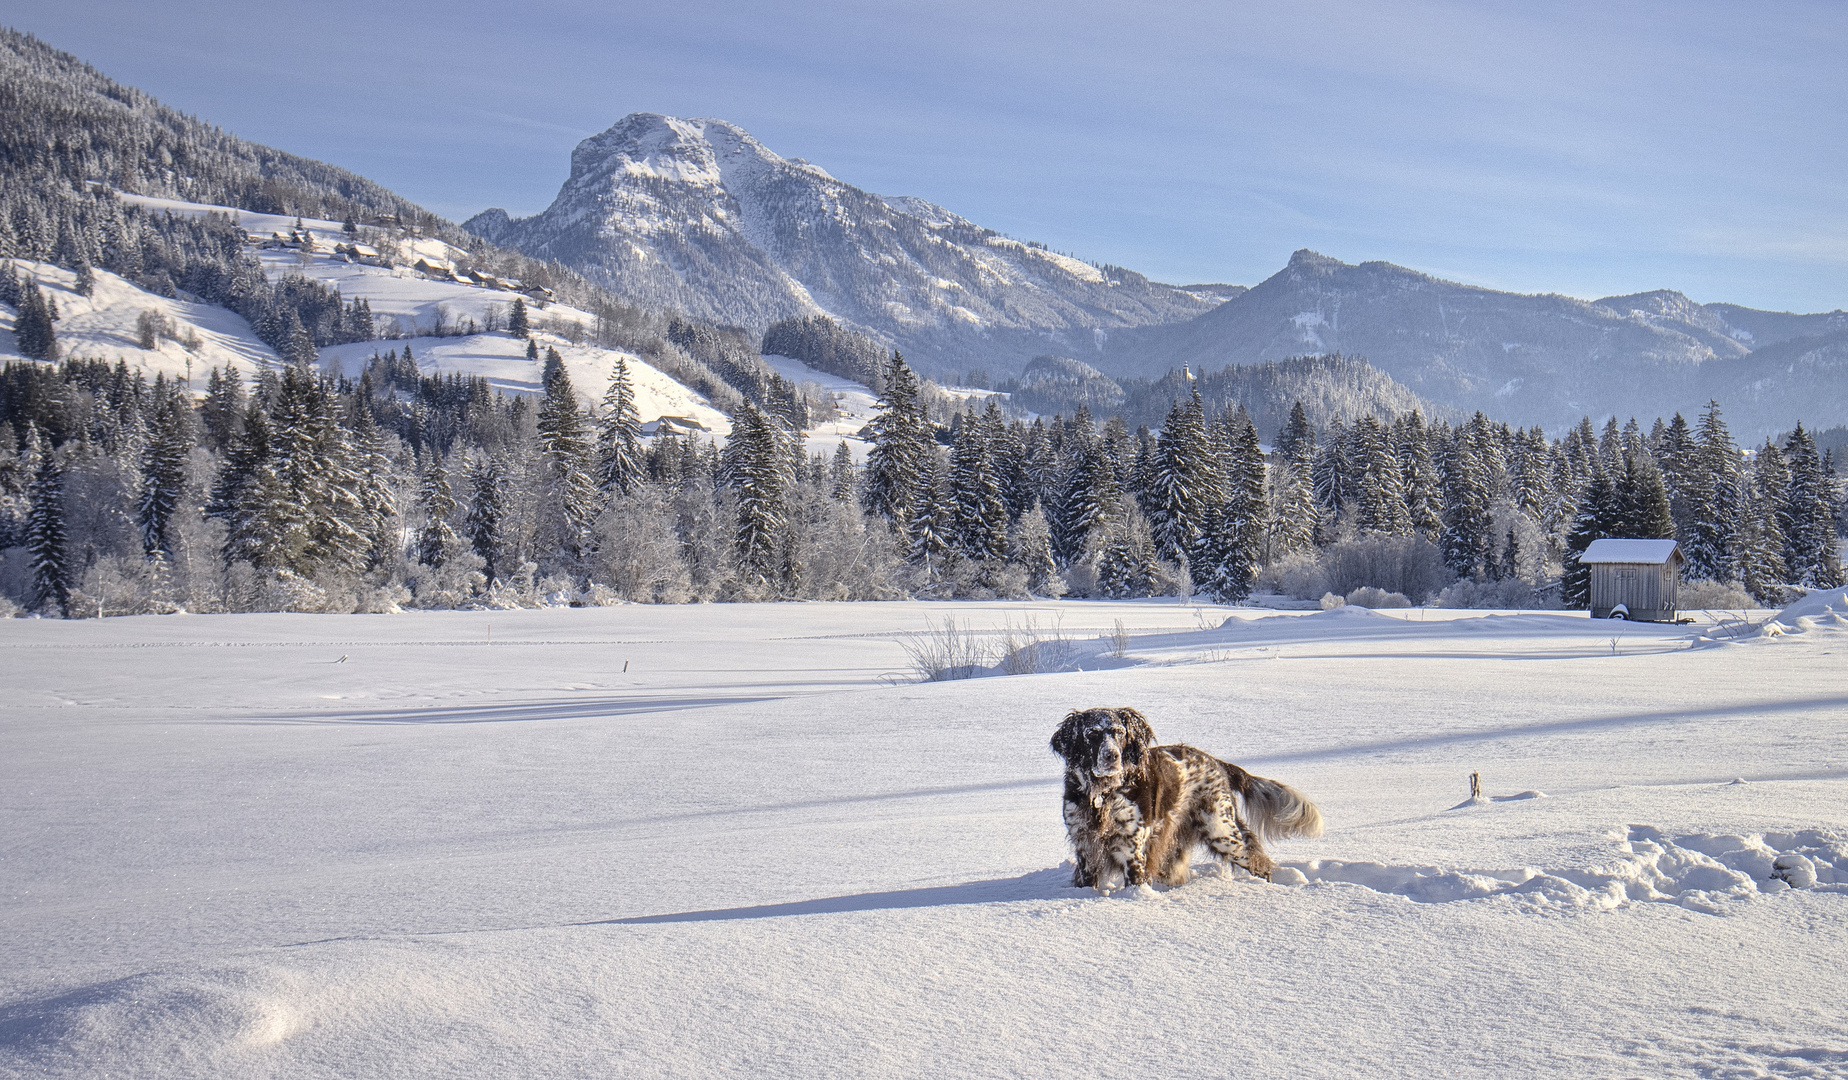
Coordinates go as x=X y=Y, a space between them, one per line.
x=472 y=844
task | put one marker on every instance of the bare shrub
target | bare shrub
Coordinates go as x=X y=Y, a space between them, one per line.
x=1032 y=649
x=948 y=651
x=1510 y=593
x=1403 y=564
x=1701 y=594
x=1119 y=641
x=1369 y=597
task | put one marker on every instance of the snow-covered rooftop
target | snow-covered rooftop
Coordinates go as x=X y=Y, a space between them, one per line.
x=1629 y=551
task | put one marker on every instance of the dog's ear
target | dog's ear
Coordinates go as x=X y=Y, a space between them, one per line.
x=1138 y=736
x=1062 y=738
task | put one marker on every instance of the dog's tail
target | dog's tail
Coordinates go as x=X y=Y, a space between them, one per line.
x=1274 y=811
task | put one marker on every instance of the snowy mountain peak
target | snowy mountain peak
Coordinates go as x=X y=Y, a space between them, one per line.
x=698 y=215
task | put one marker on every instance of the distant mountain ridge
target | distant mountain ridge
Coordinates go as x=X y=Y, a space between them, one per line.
x=698 y=215
x=1528 y=359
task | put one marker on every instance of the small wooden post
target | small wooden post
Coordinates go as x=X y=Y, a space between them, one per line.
x=1475 y=785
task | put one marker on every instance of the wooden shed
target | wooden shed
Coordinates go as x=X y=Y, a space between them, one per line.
x=1634 y=579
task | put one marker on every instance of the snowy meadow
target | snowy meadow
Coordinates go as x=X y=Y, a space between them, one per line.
x=742 y=840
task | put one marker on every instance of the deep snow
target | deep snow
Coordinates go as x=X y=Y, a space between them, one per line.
x=471 y=843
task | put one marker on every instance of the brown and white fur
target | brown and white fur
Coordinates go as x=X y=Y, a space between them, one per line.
x=1135 y=811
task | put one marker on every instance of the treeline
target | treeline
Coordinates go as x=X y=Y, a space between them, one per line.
x=306 y=492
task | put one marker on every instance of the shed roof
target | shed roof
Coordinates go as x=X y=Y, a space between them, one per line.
x=1652 y=552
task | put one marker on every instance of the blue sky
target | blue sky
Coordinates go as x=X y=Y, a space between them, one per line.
x=1586 y=149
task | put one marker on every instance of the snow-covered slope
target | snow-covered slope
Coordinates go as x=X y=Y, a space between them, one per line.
x=699 y=216
x=501 y=359
x=103 y=326
x=473 y=844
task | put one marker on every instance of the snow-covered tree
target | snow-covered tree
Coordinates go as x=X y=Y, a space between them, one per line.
x=975 y=491
x=568 y=499
x=46 y=537
x=164 y=469
x=619 y=435
x=1809 y=539
x=436 y=541
x=486 y=523
x=900 y=437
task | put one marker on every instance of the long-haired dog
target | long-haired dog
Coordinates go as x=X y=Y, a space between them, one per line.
x=1135 y=811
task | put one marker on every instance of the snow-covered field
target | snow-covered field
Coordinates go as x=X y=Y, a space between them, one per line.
x=728 y=840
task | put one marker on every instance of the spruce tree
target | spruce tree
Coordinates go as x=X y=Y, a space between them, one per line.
x=1809 y=540
x=1379 y=489
x=1468 y=538
x=756 y=468
x=518 y=324
x=437 y=539
x=569 y=500
x=1644 y=500
x=901 y=439
x=47 y=540
x=32 y=330
x=487 y=513
x=1180 y=497
x=931 y=523
x=1707 y=509
x=979 y=508
x=841 y=474
x=619 y=442
x=1031 y=550
x=1600 y=513
x=164 y=469
x=1297 y=437
x=1423 y=487
x=1242 y=521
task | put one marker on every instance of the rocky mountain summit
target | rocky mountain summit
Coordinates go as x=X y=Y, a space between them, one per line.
x=699 y=216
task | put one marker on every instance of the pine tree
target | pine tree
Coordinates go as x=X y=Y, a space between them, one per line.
x=756 y=468
x=47 y=540
x=1757 y=555
x=223 y=411
x=1643 y=500
x=487 y=513
x=569 y=500
x=1086 y=504
x=841 y=474
x=32 y=330
x=931 y=522
x=518 y=324
x=298 y=351
x=376 y=488
x=1809 y=538
x=901 y=439
x=1031 y=550
x=85 y=285
x=1709 y=500
x=980 y=510
x=1297 y=439
x=619 y=443
x=436 y=541
x=1600 y=513
x=1423 y=487
x=164 y=469
x=1242 y=521
x=1468 y=539
x=1379 y=490
x=1180 y=497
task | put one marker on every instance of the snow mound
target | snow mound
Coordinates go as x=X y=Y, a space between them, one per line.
x=1822 y=606
x=1699 y=871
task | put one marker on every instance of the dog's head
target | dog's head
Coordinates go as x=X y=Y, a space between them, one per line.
x=1100 y=745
